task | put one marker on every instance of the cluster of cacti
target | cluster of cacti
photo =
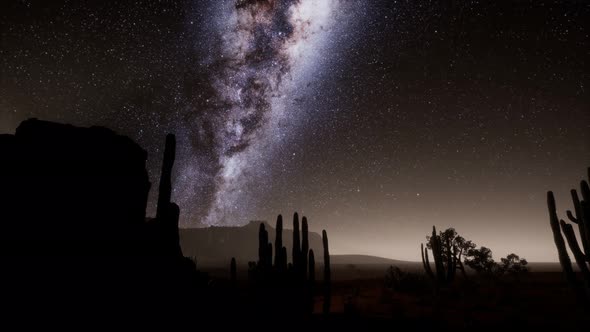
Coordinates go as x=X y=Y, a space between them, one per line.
x=299 y=275
x=445 y=268
x=581 y=217
x=264 y=249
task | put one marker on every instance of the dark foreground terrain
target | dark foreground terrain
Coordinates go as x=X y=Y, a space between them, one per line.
x=538 y=300
x=77 y=250
x=361 y=295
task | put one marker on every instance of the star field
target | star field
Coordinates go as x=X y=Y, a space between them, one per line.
x=376 y=119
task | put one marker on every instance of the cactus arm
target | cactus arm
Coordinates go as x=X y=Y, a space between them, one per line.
x=571 y=217
x=584 y=227
x=564 y=258
x=437 y=255
x=426 y=261
x=581 y=221
x=570 y=236
x=576 y=201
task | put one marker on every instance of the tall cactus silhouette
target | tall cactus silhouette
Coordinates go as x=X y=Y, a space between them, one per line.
x=263 y=248
x=445 y=270
x=283 y=259
x=327 y=275
x=296 y=251
x=304 y=247
x=167 y=213
x=165 y=188
x=581 y=217
x=279 y=242
x=426 y=261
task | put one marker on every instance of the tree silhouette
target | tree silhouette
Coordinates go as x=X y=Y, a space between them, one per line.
x=461 y=245
x=513 y=264
x=481 y=261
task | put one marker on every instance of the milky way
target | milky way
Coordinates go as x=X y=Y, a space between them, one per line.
x=376 y=119
x=264 y=48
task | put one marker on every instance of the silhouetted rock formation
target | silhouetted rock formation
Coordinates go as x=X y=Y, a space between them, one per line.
x=582 y=219
x=73 y=224
x=69 y=190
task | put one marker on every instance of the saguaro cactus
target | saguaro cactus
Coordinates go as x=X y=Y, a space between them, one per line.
x=279 y=242
x=165 y=188
x=327 y=275
x=582 y=219
x=263 y=246
x=283 y=260
x=296 y=251
x=167 y=213
x=426 y=261
x=304 y=247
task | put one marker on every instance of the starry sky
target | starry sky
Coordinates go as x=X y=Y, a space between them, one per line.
x=376 y=119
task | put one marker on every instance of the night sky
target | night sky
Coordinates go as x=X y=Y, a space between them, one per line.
x=376 y=119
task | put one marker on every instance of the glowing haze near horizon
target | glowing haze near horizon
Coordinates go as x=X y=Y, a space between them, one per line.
x=376 y=119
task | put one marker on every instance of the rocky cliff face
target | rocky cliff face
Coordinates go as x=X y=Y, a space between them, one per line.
x=67 y=189
x=73 y=230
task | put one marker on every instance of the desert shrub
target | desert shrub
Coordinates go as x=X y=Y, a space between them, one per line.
x=514 y=265
x=482 y=262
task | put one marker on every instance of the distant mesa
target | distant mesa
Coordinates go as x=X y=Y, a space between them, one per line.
x=214 y=246
x=217 y=245
x=365 y=259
